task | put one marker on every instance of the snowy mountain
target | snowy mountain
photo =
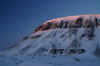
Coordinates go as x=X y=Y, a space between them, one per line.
x=74 y=37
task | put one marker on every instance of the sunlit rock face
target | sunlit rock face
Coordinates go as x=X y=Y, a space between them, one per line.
x=77 y=23
x=60 y=25
x=65 y=24
x=85 y=21
x=54 y=26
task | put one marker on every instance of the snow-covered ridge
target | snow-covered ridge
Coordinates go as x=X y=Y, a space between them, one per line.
x=71 y=18
x=85 y=21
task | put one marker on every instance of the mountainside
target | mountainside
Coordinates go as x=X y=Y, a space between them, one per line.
x=76 y=36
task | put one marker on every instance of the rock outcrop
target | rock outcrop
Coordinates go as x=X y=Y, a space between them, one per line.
x=66 y=51
x=95 y=22
x=60 y=25
x=47 y=26
x=72 y=23
x=54 y=26
x=25 y=38
x=77 y=23
x=65 y=24
x=87 y=24
x=38 y=28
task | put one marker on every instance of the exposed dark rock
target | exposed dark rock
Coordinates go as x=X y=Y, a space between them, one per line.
x=61 y=51
x=35 y=37
x=44 y=27
x=70 y=23
x=24 y=49
x=65 y=24
x=99 y=23
x=77 y=23
x=72 y=51
x=75 y=51
x=25 y=38
x=72 y=31
x=50 y=52
x=74 y=43
x=95 y=22
x=38 y=28
x=89 y=33
x=54 y=26
x=40 y=51
x=63 y=35
x=66 y=51
x=77 y=60
x=53 y=46
x=88 y=24
x=54 y=56
x=83 y=35
x=20 y=60
x=13 y=59
x=2 y=55
x=92 y=60
x=32 y=57
x=60 y=25
x=47 y=26
x=54 y=51
x=21 y=53
x=81 y=51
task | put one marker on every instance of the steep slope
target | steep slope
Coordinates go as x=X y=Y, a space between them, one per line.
x=73 y=35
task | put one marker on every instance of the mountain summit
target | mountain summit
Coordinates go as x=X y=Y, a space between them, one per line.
x=79 y=21
x=76 y=36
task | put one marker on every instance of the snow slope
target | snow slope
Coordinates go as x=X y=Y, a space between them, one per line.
x=2 y=63
x=60 y=61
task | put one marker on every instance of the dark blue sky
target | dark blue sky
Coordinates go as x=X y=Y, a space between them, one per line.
x=19 y=18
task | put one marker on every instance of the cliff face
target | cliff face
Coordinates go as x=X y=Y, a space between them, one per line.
x=71 y=22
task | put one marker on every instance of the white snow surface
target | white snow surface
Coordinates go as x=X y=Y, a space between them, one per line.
x=50 y=61
x=60 y=61
x=85 y=59
x=2 y=63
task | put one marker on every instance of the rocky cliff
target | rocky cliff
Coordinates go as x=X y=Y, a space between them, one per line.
x=85 y=21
